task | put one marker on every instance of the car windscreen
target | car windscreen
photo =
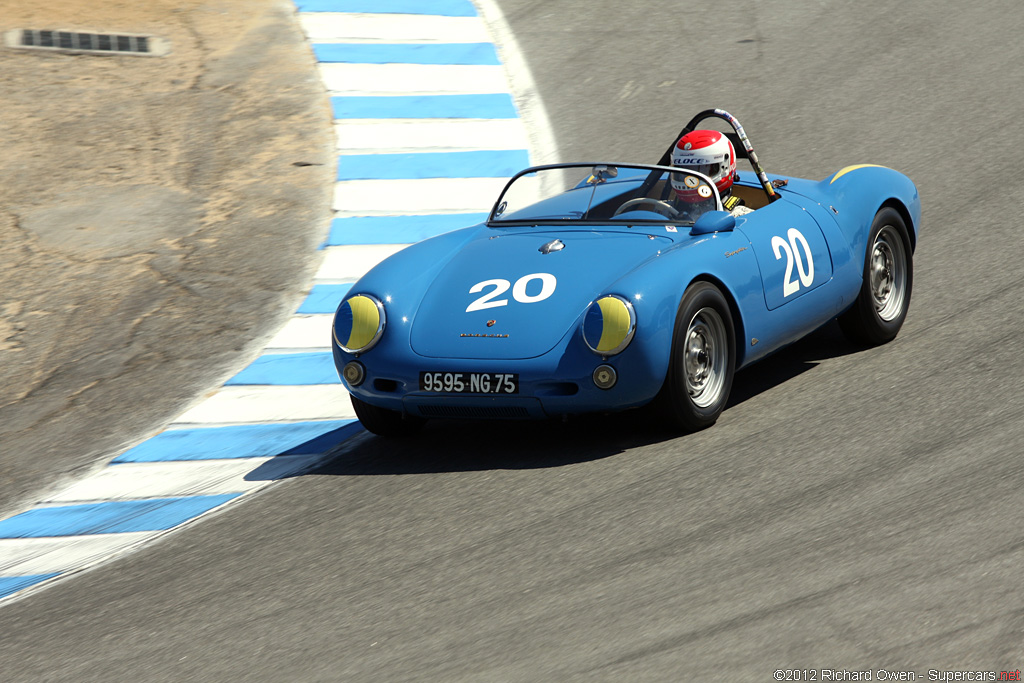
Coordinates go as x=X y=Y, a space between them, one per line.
x=589 y=193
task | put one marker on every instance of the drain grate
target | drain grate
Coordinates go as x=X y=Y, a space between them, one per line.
x=92 y=43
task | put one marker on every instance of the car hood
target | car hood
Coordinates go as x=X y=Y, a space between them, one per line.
x=502 y=297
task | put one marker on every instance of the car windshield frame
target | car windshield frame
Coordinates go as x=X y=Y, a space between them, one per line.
x=589 y=193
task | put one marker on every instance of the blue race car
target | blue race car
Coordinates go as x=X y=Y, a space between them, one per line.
x=592 y=288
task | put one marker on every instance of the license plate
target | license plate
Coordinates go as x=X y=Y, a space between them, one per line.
x=469 y=382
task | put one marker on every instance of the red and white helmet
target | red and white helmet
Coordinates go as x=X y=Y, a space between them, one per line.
x=708 y=152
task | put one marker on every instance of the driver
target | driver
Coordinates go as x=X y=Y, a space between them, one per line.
x=711 y=153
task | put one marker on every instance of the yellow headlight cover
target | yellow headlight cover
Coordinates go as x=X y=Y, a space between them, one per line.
x=609 y=325
x=618 y=324
x=359 y=323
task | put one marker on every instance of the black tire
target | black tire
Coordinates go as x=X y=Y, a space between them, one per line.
x=703 y=361
x=884 y=299
x=384 y=422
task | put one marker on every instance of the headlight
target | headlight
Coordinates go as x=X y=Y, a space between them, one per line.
x=609 y=325
x=358 y=323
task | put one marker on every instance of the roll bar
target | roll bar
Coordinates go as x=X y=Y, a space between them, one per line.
x=740 y=142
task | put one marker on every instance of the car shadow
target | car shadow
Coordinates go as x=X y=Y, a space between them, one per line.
x=826 y=342
x=470 y=445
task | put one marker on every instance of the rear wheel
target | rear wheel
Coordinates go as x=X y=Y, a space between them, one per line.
x=384 y=422
x=881 y=306
x=703 y=360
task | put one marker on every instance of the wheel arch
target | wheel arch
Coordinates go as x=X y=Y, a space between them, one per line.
x=897 y=205
x=676 y=401
x=734 y=310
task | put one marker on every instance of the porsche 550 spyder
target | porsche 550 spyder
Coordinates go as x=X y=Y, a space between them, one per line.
x=588 y=290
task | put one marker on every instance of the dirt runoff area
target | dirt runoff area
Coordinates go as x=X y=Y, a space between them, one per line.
x=158 y=218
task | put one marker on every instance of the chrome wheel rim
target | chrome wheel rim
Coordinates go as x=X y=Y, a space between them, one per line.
x=888 y=274
x=705 y=357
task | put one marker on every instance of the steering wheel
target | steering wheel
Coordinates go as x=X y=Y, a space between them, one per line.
x=656 y=205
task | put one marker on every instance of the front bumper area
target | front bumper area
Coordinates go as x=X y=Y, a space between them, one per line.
x=475 y=407
x=549 y=386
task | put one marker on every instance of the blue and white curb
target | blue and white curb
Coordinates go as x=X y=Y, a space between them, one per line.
x=427 y=134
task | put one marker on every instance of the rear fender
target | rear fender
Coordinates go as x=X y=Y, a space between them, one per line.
x=856 y=193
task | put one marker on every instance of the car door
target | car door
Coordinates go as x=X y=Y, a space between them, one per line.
x=791 y=251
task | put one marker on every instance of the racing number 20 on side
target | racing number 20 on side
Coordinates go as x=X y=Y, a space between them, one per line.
x=806 y=274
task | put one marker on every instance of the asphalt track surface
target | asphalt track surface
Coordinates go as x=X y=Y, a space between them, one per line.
x=852 y=509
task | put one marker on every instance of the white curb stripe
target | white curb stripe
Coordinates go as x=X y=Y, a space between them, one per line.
x=412 y=79
x=336 y=27
x=360 y=136
x=26 y=556
x=303 y=333
x=161 y=480
x=421 y=196
x=348 y=263
x=270 y=403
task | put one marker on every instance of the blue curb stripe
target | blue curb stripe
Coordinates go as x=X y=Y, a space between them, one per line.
x=290 y=369
x=447 y=8
x=115 y=517
x=489 y=106
x=13 y=584
x=281 y=449
x=324 y=299
x=242 y=441
x=395 y=230
x=420 y=165
x=460 y=54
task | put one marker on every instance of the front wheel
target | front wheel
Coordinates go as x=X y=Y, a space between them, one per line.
x=881 y=306
x=384 y=422
x=703 y=360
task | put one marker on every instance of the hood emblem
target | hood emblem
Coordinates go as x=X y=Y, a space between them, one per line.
x=553 y=245
x=490 y=323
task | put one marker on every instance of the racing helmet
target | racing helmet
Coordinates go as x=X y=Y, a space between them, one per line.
x=708 y=152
